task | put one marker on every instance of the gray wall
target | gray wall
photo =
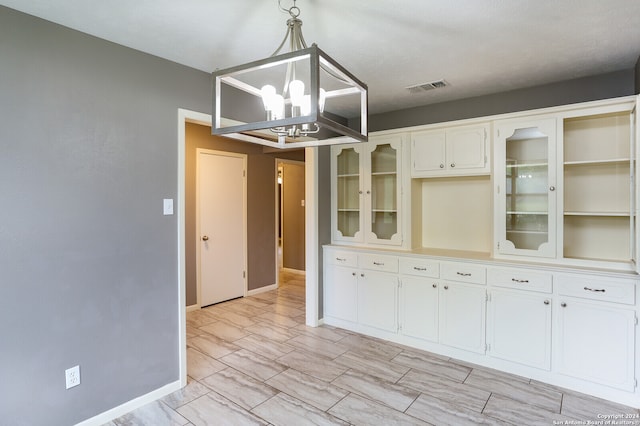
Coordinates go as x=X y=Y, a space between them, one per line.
x=611 y=85
x=88 y=262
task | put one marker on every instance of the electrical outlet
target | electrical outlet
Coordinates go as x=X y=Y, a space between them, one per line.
x=72 y=376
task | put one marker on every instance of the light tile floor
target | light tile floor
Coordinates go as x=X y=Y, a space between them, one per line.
x=253 y=361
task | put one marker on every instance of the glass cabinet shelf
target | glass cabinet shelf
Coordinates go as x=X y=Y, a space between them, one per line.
x=602 y=214
x=592 y=162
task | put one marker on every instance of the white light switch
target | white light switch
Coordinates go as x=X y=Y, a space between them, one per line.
x=167 y=205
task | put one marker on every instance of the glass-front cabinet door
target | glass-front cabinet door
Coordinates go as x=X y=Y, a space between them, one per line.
x=382 y=196
x=526 y=188
x=366 y=193
x=348 y=192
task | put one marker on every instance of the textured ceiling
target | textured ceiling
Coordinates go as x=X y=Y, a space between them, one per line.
x=477 y=46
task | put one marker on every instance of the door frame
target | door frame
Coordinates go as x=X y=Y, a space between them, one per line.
x=244 y=219
x=311 y=235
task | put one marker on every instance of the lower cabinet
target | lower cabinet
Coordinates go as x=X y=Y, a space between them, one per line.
x=419 y=308
x=576 y=329
x=519 y=327
x=378 y=300
x=596 y=342
x=462 y=316
x=341 y=293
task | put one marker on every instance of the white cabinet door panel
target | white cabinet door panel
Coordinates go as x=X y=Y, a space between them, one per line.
x=378 y=300
x=419 y=308
x=341 y=293
x=519 y=327
x=462 y=316
x=596 y=342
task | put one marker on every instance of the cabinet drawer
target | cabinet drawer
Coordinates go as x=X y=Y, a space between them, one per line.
x=475 y=274
x=379 y=262
x=342 y=258
x=521 y=279
x=608 y=290
x=419 y=267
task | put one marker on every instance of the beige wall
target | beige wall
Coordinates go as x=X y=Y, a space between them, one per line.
x=261 y=209
x=293 y=221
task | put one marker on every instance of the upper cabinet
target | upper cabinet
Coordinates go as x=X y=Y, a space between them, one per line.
x=565 y=186
x=455 y=151
x=367 y=191
x=525 y=183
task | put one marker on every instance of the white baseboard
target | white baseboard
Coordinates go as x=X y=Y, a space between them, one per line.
x=295 y=271
x=262 y=289
x=128 y=406
x=195 y=307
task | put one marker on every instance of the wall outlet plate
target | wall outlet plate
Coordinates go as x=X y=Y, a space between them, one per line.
x=72 y=376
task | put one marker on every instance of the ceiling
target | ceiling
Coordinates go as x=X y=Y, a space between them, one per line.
x=478 y=46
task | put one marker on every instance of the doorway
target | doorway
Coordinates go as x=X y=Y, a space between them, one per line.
x=291 y=222
x=221 y=223
x=312 y=158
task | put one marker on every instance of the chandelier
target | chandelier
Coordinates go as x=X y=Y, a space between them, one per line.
x=298 y=98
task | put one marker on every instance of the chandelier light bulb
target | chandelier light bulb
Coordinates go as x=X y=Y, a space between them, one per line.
x=268 y=93
x=305 y=108
x=278 y=107
x=296 y=90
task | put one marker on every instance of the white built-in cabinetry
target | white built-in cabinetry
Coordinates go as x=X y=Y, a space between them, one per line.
x=529 y=266
x=564 y=186
x=565 y=327
x=456 y=151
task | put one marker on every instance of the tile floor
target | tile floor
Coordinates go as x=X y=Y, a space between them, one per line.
x=253 y=361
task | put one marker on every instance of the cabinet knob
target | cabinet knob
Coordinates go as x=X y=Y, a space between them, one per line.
x=564 y=305
x=446 y=287
x=442 y=166
x=453 y=164
x=546 y=302
x=552 y=188
x=353 y=273
x=368 y=192
x=434 y=285
x=205 y=238
x=360 y=192
x=362 y=275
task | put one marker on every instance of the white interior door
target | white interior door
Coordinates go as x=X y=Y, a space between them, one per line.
x=222 y=226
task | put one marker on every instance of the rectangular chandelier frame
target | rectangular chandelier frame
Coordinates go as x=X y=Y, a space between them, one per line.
x=259 y=131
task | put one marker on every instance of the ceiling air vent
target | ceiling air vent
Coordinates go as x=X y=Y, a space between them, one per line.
x=423 y=87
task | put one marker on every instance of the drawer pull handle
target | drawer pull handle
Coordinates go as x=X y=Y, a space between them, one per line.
x=464 y=274
x=596 y=290
x=339 y=259
x=419 y=269
x=563 y=304
x=434 y=285
x=378 y=263
x=546 y=302
x=446 y=287
x=515 y=280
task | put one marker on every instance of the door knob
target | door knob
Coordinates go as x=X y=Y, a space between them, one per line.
x=205 y=238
